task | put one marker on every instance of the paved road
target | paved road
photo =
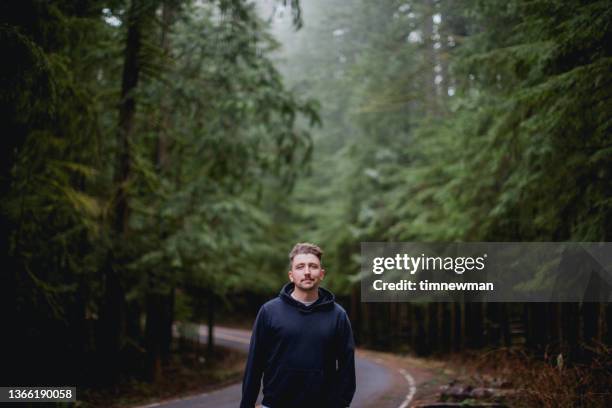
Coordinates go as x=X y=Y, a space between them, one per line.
x=374 y=381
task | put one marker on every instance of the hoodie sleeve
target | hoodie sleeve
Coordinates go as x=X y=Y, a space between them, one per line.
x=346 y=383
x=253 y=371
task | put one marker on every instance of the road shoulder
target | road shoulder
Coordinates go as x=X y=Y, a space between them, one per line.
x=416 y=381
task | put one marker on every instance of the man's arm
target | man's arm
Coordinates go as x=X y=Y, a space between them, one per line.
x=346 y=384
x=255 y=363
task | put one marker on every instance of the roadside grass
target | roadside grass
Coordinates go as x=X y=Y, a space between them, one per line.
x=507 y=377
x=553 y=381
x=187 y=373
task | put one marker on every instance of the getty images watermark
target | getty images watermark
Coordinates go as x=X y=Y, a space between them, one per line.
x=486 y=272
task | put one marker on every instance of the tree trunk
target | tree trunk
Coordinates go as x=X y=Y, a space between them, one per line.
x=474 y=324
x=393 y=322
x=113 y=313
x=210 y=349
x=462 y=325
x=356 y=313
x=570 y=326
x=453 y=336
x=429 y=326
x=153 y=335
x=168 y=323
x=607 y=318
x=536 y=327
x=505 y=325
x=432 y=103
x=419 y=329
x=112 y=322
x=441 y=330
x=164 y=308
x=127 y=111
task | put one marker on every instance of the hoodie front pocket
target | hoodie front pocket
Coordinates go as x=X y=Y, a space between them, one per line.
x=292 y=387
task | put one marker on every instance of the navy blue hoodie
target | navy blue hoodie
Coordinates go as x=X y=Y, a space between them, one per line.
x=305 y=353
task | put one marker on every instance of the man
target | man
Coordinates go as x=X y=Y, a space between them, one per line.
x=302 y=343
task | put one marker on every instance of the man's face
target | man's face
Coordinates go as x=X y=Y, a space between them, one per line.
x=306 y=272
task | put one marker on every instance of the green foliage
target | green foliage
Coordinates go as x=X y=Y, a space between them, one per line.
x=54 y=220
x=214 y=125
x=442 y=121
x=455 y=121
x=231 y=127
x=520 y=157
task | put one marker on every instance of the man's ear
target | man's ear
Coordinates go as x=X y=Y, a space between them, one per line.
x=290 y=276
x=322 y=273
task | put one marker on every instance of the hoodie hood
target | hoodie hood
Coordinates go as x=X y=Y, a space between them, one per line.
x=324 y=302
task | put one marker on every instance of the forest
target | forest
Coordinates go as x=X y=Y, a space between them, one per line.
x=162 y=157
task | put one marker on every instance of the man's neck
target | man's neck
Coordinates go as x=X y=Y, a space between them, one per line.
x=305 y=296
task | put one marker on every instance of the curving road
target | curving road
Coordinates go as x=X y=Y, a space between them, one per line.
x=377 y=385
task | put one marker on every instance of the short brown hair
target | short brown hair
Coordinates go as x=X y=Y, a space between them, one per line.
x=305 y=248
